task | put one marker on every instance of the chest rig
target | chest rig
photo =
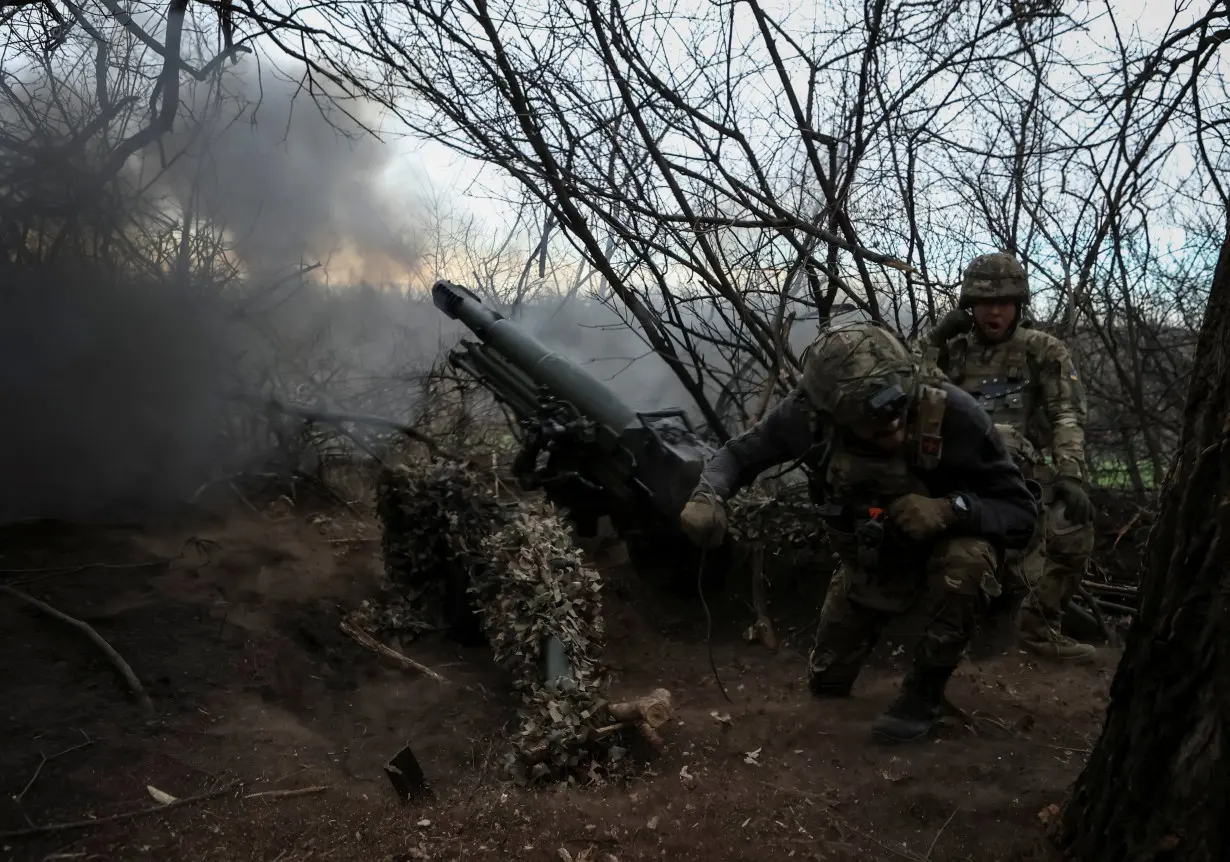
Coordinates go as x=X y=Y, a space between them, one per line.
x=998 y=376
x=860 y=484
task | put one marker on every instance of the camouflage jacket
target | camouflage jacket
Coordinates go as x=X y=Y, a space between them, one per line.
x=972 y=461
x=1029 y=382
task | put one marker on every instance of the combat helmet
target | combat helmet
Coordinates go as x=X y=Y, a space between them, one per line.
x=993 y=276
x=859 y=371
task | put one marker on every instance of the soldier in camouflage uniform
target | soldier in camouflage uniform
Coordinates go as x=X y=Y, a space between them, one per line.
x=919 y=497
x=1025 y=378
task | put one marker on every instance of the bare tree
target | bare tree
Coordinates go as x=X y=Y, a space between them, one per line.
x=724 y=181
x=727 y=174
x=1156 y=780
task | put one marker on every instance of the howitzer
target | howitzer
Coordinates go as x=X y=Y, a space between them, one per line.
x=590 y=451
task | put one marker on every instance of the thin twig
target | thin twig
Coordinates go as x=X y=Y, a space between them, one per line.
x=972 y=720
x=33 y=778
x=40 y=573
x=1066 y=748
x=935 y=840
x=45 y=760
x=1126 y=527
x=116 y=818
x=117 y=660
x=366 y=639
x=286 y=794
x=68 y=570
x=336 y=419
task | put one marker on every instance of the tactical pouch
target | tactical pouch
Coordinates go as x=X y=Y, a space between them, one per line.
x=931 y=403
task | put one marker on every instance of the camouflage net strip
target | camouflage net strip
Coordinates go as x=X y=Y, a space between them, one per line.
x=536 y=588
x=453 y=537
x=757 y=518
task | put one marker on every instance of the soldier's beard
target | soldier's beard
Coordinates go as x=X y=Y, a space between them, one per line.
x=890 y=441
x=886 y=439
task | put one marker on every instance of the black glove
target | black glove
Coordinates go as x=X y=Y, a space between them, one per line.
x=1077 y=507
x=951 y=324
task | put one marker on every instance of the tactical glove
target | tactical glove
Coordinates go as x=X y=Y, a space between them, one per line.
x=1077 y=506
x=703 y=520
x=922 y=517
x=951 y=325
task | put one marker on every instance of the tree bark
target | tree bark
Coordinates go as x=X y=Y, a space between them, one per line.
x=1157 y=784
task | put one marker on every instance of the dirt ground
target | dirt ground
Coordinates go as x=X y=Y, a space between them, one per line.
x=232 y=624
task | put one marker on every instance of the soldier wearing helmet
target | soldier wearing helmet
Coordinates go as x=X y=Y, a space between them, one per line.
x=1026 y=378
x=919 y=498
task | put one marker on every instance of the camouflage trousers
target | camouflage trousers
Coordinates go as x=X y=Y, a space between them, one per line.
x=955 y=581
x=1043 y=577
x=1049 y=572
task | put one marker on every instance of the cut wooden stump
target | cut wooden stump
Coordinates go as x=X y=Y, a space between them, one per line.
x=644 y=714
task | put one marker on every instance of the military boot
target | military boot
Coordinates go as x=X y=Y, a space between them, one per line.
x=1054 y=645
x=914 y=712
x=1038 y=636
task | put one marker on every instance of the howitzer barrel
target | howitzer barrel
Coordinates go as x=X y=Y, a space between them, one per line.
x=587 y=393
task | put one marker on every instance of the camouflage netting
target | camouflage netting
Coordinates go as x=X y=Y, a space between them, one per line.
x=446 y=525
x=539 y=587
x=782 y=523
x=433 y=518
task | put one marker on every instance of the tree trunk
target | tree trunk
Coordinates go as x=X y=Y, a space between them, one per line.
x=1157 y=784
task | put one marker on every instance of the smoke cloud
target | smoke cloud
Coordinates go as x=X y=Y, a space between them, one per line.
x=292 y=178
x=119 y=377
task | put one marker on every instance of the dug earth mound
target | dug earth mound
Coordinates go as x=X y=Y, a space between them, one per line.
x=240 y=627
